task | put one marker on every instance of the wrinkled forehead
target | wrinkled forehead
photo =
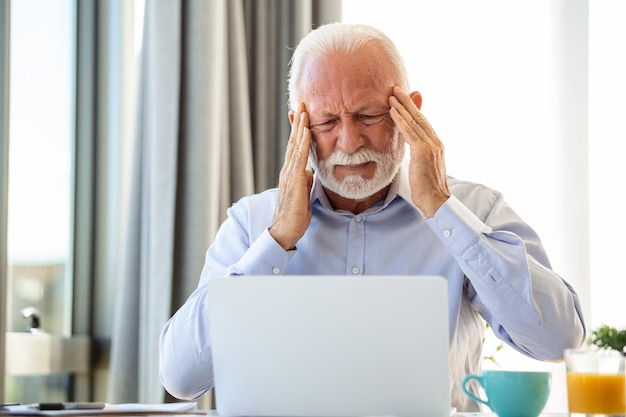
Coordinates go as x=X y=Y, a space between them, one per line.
x=348 y=80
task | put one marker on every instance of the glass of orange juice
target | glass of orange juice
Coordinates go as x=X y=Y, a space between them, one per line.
x=596 y=382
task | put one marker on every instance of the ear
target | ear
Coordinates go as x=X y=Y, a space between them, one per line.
x=292 y=114
x=417 y=99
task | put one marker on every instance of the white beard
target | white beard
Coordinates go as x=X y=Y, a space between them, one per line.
x=355 y=187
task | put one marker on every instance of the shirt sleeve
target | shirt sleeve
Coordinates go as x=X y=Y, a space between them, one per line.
x=510 y=281
x=185 y=360
x=186 y=365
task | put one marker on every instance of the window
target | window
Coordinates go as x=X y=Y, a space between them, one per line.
x=527 y=96
x=73 y=93
x=41 y=137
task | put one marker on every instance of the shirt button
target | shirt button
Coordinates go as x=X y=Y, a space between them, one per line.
x=276 y=270
x=355 y=270
x=447 y=233
x=358 y=218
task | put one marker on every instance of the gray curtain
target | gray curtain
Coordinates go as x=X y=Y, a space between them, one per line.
x=4 y=169
x=212 y=128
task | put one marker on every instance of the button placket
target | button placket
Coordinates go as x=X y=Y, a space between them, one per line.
x=356 y=245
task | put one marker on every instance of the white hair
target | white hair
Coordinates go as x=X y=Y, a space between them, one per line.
x=341 y=38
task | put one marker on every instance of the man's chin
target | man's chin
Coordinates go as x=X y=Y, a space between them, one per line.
x=355 y=188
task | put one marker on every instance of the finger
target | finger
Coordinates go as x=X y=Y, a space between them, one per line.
x=410 y=114
x=303 y=142
x=293 y=136
x=412 y=119
x=405 y=101
x=405 y=120
x=295 y=124
x=407 y=108
x=299 y=146
x=406 y=131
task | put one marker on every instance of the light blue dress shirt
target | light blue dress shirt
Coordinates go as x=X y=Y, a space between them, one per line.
x=494 y=262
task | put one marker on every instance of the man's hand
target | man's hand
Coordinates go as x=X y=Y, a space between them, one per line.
x=293 y=212
x=427 y=169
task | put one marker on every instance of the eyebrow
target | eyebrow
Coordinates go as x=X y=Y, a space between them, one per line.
x=378 y=108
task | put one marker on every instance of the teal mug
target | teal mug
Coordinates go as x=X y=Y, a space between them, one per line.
x=512 y=393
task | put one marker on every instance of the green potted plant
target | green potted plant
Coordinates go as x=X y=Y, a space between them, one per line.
x=607 y=337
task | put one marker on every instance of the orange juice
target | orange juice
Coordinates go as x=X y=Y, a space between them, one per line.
x=596 y=393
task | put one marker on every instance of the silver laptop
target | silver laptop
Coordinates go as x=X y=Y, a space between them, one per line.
x=323 y=346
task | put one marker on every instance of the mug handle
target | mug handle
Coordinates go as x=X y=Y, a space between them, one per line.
x=467 y=379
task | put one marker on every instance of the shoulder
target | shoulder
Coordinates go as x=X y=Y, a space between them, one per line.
x=252 y=213
x=254 y=203
x=475 y=196
x=468 y=189
x=266 y=196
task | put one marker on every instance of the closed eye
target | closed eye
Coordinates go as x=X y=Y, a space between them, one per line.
x=324 y=126
x=370 y=119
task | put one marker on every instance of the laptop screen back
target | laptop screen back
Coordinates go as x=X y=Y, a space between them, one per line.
x=336 y=346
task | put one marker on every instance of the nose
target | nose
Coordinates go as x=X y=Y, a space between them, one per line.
x=350 y=135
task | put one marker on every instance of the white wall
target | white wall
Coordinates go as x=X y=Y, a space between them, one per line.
x=507 y=87
x=607 y=139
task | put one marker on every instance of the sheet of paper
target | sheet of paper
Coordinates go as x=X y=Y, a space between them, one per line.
x=132 y=408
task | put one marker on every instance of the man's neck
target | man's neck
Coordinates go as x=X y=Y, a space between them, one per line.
x=355 y=206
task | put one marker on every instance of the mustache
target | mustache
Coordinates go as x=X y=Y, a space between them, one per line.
x=359 y=157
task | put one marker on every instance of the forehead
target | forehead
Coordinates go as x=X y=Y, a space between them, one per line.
x=340 y=82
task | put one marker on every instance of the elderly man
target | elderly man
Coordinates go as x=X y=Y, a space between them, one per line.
x=379 y=202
